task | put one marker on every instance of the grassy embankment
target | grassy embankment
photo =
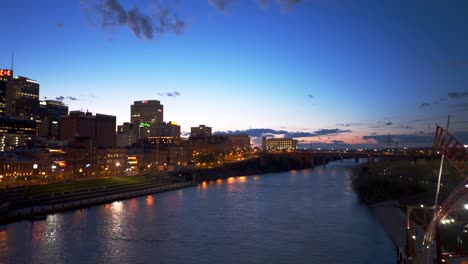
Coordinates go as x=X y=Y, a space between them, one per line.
x=76 y=191
x=411 y=183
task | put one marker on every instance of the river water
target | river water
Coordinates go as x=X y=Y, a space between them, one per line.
x=307 y=216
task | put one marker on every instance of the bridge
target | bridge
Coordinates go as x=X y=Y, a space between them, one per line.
x=452 y=209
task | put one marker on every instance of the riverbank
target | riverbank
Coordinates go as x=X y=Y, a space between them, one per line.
x=34 y=202
x=79 y=200
x=269 y=163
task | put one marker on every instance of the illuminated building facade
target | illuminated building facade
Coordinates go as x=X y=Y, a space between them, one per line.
x=15 y=132
x=279 y=143
x=22 y=98
x=200 y=131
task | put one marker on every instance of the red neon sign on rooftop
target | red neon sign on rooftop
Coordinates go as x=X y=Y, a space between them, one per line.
x=6 y=73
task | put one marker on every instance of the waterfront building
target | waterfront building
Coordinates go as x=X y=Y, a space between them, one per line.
x=200 y=131
x=279 y=143
x=99 y=128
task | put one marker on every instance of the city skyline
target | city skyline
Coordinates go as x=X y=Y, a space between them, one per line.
x=321 y=72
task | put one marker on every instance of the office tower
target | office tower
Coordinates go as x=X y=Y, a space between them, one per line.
x=23 y=98
x=145 y=115
x=146 y=111
x=50 y=113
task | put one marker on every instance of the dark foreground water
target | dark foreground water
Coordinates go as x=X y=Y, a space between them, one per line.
x=309 y=216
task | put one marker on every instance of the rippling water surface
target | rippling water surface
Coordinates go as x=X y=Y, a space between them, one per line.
x=309 y=216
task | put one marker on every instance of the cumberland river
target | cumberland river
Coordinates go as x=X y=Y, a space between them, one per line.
x=309 y=216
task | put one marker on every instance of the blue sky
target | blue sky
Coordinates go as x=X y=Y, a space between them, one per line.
x=337 y=71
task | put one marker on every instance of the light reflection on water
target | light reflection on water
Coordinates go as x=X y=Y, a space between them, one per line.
x=308 y=216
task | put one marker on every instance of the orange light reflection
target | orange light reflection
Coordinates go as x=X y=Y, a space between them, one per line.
x=149 y=200
x=230 y=180
x=219 y=181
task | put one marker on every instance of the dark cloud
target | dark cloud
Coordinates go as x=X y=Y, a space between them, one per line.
x=310 y=96
x=261 y=132
x=221 y=5
x=388 y=123
x=176 y=93
x=457 y=95
x=110 y=13
x=62 y=98
x=288 y=4
x=170 y=94
x=424 y=105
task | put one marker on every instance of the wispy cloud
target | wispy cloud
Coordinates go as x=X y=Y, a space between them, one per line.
x=169 y=94
x=110 y=13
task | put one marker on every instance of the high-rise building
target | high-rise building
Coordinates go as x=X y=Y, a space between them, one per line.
x=99 y=128
x=5 y=77
x=22 y=98
x=146 y=111
x=51 y=111
x=145 y=115
x=200 y=131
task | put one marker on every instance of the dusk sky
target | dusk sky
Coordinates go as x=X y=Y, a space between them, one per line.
x=322 y=71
